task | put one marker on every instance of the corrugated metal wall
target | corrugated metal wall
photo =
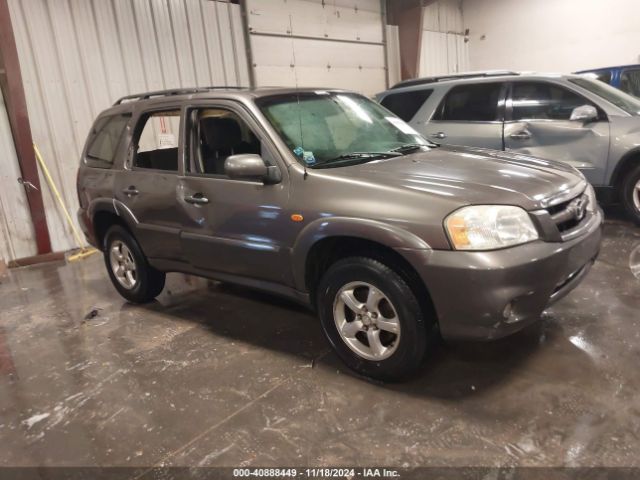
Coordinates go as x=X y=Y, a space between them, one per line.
x=78 y=56
x=16 y=230
x=444 y=49
x=318 y=43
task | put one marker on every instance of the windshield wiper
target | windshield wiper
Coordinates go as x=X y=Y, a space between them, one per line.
x=354 y=156
x=412 y=146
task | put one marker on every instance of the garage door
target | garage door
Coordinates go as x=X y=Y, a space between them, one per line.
x=318 y=43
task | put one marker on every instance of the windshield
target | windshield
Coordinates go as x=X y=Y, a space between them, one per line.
x=335 y=129
x=620 y=99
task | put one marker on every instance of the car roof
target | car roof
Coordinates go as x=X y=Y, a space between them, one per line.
x=484 y=77
x=612 y=67
x=151 y=99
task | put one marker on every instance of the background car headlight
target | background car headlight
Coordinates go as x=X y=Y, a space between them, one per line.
x=592 y=206
x=488 y=227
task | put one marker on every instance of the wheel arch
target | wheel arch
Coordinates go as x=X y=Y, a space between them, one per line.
x=104 y=213
x=624 y=166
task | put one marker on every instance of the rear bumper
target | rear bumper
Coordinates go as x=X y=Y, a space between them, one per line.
x=471 y=290
x=87 y=227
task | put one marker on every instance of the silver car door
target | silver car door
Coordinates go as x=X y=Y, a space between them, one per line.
x=538 y=122
x=470 y=114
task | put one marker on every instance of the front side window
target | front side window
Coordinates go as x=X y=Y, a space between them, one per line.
x=335 y=129
x=622 y=100
x=107 y=135
x=157 y=141
x=544 y=101
x=630 y=82
x=217 y=134
x=406 y=104
x=471 y=103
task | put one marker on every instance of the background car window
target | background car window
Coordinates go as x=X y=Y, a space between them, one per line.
x=108 y=132
x=406 y=104
x=217 y=134
x=544 y=101
x=157 y=143
x=630 y=82
x=477 y=103
x=604 y=76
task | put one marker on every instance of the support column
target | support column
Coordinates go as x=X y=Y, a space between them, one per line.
x=407 y=14
x=14 y=97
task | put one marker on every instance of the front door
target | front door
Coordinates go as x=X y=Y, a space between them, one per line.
x=232 y=226
x=147 y=187
x=538 y=123
x=471 y=115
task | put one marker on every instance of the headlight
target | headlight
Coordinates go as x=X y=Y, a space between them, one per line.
x=592 y=206
x=488 y=227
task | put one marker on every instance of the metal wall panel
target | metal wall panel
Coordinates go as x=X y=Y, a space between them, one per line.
x=330 y=43
x=17 y=238
x=444 y=49
x=78 y=56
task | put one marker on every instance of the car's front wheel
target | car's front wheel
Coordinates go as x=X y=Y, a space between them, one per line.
x=631 y=193
x=130 y=273
x=372 y=318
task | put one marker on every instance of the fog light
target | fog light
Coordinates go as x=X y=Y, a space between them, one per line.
x=509 y=313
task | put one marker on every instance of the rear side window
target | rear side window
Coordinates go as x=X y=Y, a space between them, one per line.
x=544 y=101
x=630 y=82
x=157 y=141
x=471 y=103
x=406 y=104
x=107 y=135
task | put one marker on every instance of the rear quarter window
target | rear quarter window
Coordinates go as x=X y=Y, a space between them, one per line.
x=406 y=104
x=103 y=145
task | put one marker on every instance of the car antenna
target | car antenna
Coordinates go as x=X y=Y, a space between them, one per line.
x=304 y=164
x=295 y=76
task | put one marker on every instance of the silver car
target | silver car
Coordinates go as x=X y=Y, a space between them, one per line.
x=571 y=118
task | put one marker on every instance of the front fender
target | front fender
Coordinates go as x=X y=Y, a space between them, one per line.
x=366 y=229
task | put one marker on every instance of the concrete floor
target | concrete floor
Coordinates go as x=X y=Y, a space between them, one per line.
x=219 y=375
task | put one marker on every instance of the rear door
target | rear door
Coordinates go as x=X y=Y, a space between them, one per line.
x=469 y=114
x=630 y=81
x=147 y=185
x=538 y=123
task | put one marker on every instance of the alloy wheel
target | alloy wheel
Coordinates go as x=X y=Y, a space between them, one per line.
x=123 y=264
x=366 y=321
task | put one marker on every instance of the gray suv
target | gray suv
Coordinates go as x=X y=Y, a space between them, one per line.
x=570 y=118
x=326 y=198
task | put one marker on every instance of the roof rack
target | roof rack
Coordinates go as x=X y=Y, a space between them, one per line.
x=453 y=76
x=170 y=92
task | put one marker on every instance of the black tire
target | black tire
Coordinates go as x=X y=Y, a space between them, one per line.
x=629 y=192
x=411 y=344
x=149 y=282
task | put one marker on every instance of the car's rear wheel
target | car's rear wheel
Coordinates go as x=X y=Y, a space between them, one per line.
x=631 y=193
x=372 y=318
x=130 y=273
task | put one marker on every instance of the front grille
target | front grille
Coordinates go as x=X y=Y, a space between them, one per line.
x=570 y=214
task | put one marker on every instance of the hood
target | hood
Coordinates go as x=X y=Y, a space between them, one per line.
x=474 y=176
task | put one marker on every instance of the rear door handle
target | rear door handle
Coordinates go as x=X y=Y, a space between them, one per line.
x=130 y=191
x=524 y=135
x=439 y=135
x=196 y=199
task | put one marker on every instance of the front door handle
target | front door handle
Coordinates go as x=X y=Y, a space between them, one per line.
x=439 y=135
x=523 y=135
x=130 y=191
x=196 y=199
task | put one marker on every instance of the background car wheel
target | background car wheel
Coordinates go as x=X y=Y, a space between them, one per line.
x=128 y=268
x=631 y=193
x=372 y=318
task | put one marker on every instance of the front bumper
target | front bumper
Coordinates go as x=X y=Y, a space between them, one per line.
x=470 y=290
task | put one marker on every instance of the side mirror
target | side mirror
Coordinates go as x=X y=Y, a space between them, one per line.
x=584 y=113
x=250 y=165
